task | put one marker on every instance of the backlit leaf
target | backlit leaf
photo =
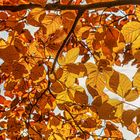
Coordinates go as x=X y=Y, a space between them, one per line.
x=52 y=23
x=63 y=97
x=136 y=80
x=131 y=31
x=72 y=55
x=131 y=95
x=138 y=12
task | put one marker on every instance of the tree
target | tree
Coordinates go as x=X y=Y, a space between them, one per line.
x=43 y=98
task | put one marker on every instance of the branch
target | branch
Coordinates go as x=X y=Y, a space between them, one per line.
x=80 y=12
x=57 y=6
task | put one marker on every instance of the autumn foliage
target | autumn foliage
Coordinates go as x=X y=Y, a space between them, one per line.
x=50 y=48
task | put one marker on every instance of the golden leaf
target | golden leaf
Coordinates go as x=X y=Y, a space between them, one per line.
x=35 y=16
x=52 y=23
x=118 y=105
x=138 y=12
x=96 y=78
x=3 y=44
x=131 y=31
x=72 y=55
x=123 y=85
x=63 y=97
x=83 y=30
x=131 y=95
x=136 y=80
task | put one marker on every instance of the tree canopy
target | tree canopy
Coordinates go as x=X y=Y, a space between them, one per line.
x=58 y=59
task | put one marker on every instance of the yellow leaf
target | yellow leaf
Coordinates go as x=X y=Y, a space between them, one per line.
x=56 y=137
x=35 y=15
x=63 y=97
x=136 y=81
x=138 y=12
x=118 y=105
x=131 y=31
x=3 y=44
x=91 y=67
x=131 y=95
x=95 y=77
x=83 y=30
x=124 y=85
x=72 y=55
x=70 y=80
x=52 y=23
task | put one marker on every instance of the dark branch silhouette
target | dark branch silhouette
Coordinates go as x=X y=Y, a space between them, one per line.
x=57 y=6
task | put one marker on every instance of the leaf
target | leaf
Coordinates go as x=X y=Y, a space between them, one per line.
x=35 y=16
x=18 y=70
x=133 y=127
x=131 y=95
x=57 y=87
x=128 y=116
x=96 y=78
x=92 y=91
x=138 y=12
x=83 y=32
x=114 y=81
x=37 y=73
x=81 y=97
x=9 y=54
x=63 y=97
x=106 y=111
x=52 y=23
x=131 y=31
x=112 y=131
x=3 y=16
x=118 y=105
x=2 y=99
x=40 y=2
x=78 y=70
x=123 y=85
x=2 y=44
x=136 y=80
x=54 y=121
x=72 y=55
x=14 y=102
x=89 y=123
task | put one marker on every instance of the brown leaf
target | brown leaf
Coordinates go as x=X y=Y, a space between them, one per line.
x=89 y=123
x=114 y=81
x=81 y=97
x=57 y=87
x=112 y=131
x=133 y=127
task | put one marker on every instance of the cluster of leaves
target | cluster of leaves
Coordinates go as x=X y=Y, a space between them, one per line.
x=42 y=71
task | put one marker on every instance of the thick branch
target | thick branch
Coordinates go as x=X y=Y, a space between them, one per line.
x=72 y=7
